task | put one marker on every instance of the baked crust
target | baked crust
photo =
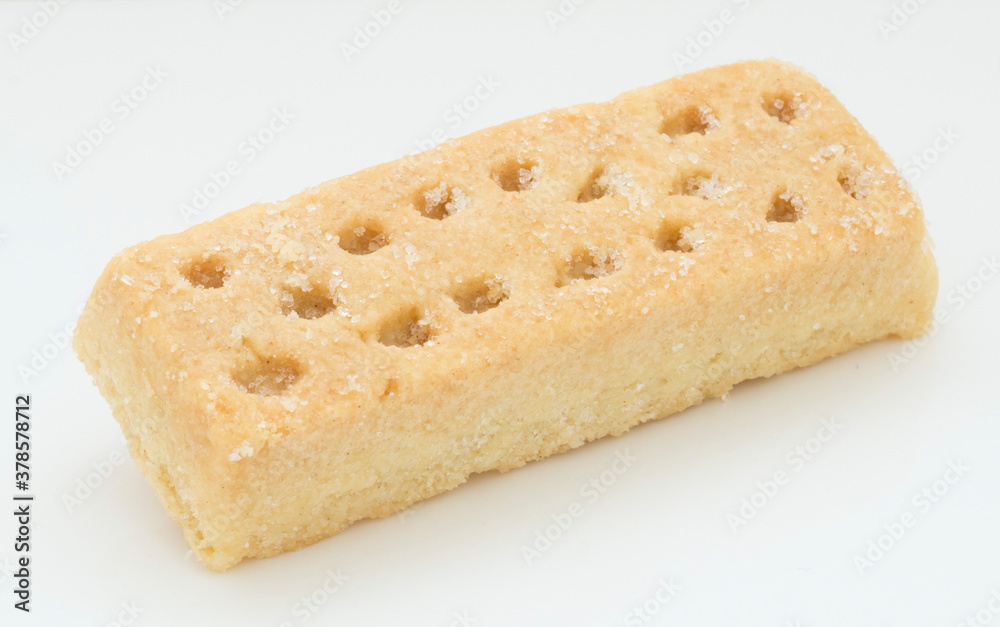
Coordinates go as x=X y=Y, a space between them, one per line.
x=287 y=369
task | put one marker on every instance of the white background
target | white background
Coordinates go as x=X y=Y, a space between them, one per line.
x=459 y=556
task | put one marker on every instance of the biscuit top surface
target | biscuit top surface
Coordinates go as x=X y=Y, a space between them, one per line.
x=397 y=277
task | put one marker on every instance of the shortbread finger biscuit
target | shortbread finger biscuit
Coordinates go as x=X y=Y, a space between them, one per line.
x=290 y=368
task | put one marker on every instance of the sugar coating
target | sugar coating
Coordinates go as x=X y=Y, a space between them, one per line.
x=451 y=200
x=290 y=368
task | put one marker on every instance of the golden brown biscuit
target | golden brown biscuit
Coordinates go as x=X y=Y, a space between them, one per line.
x=290 y=368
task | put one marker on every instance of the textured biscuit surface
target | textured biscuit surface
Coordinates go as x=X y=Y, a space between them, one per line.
x=290 y=368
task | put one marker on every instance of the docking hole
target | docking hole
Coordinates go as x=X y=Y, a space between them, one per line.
x=701 y=185
x=480 y=294
x=783 y=107
x=594 y=188
x=517 y=175
x=440 y=202
x=693 y=119
x=404 y=330
x=854 y=183
x=673 y=236
x=208 y=273
x=310 y=305
x=608 y=180
x=269 y=377
x=363 y=239
x=786 y=207
x=590 y=262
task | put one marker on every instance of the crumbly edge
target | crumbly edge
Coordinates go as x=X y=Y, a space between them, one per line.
x=122 y=377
